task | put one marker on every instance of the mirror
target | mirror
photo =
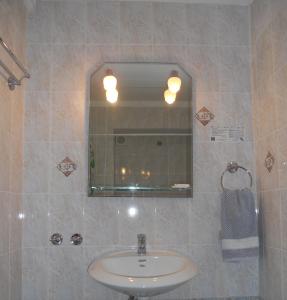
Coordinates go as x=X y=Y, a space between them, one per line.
x=140 y=131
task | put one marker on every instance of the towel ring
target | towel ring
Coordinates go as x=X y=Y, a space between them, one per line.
x=233 y=167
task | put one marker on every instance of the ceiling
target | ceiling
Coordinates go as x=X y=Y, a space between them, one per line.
x=30 y=4
x=230 y=2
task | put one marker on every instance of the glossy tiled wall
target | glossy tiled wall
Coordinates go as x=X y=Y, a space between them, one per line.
x=269 y=47
x=12 y=24
x=67 y=40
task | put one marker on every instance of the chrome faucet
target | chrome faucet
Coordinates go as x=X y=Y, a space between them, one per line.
x=141 y=244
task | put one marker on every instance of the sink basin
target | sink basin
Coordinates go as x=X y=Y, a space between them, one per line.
x=148 y=275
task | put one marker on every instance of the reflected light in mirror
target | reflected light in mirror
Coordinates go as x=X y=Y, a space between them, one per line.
x=112 y=96
x=110 y=81
x=21 y=216
x=132 y=211
x=145 y=174
x=169 y=97
x=174 y=82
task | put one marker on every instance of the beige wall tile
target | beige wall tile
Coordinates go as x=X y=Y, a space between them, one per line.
x=68 y=22
x=233 y=25
x=37 y=116
x=103 y=22
x=136 y=23
x=68 y=68
x=124 y=31
x=13 y=32
x=169 y=23
x=268 y=24
x=67 y=116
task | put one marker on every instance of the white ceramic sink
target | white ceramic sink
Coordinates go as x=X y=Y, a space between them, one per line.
x=143 y=276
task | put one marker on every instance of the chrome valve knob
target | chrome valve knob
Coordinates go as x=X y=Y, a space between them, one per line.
x=56 y=239
x=76 y=239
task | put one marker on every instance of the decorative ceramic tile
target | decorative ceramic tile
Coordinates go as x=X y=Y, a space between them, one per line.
x=67 y=166
x=269 y=161
x=204 y=116
x=231 y=298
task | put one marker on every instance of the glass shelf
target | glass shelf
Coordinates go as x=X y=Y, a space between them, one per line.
x=144 y=190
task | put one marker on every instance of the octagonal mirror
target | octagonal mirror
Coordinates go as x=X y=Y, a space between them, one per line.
x=140 y=131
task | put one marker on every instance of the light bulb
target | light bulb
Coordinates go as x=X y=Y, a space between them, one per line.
x=112 y=95
x=174 y=82
x=169 y=97
x=110 y=81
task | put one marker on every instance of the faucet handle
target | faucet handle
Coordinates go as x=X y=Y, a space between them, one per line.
x=141 y=237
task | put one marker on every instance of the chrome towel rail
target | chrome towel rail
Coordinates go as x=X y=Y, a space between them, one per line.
x=233 y=167
x=9 y=76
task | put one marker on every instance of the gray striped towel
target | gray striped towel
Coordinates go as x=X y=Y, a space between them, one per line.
x=239 y=228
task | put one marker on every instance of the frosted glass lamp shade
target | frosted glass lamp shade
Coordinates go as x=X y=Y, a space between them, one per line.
x=110 y=81
x=112 y=95
x=169 y=97
x=174 y=82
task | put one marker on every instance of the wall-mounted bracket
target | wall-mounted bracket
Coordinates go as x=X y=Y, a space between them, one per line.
x=12 y=80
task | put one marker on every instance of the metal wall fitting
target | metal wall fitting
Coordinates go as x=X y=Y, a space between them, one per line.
x=56 y=239
x=8 y=73
x=76 y=239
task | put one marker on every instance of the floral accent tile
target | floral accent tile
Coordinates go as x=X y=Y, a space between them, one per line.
x=269 y=161
x=67 y=166
x=204 y=116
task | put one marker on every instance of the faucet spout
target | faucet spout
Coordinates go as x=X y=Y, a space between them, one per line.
x=141 y=244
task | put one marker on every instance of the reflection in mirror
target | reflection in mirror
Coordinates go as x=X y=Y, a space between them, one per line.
x=140 y=131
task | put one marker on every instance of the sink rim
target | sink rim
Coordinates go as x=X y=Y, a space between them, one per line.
x=148 y=257
x=138 y=286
